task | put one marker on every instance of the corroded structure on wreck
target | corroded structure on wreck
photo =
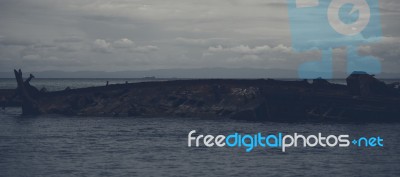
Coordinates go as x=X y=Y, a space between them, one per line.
x=260 y=100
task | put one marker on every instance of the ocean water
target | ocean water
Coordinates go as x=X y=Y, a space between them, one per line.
x=104 y=146
x=61 y=84
x=55 y=145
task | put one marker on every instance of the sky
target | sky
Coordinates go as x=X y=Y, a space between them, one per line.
x=119 y=35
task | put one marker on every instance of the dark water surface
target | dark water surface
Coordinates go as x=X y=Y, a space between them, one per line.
x=54 y=84
x=76 y=146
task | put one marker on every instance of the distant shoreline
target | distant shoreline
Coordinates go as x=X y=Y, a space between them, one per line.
x=364 y=99
x=190 y=73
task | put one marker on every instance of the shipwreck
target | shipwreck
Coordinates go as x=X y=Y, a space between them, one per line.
x=363 y=99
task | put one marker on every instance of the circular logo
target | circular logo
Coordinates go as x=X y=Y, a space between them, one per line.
x=335 y=17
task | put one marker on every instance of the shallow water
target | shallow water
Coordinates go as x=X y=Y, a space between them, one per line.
x=76 y=146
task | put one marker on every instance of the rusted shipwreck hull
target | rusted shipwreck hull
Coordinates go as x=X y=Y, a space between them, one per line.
x=260 y=100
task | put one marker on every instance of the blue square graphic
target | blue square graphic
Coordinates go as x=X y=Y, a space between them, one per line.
x=327 y=24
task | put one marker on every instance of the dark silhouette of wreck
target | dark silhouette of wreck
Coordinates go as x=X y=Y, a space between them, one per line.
x=364 y=99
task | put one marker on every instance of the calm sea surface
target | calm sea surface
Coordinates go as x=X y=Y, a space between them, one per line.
x=61 y=84
x=56 y=145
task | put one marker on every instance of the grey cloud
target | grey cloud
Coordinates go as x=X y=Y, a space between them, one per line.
x=67 y=48
x=245 y=49
x=148 y=48
x=124 y=44
x=101 y=45
x=155 y=34
x=7 y=41
x=202 y=42
x=70 y=39
x=388 y=49
x=187 y=41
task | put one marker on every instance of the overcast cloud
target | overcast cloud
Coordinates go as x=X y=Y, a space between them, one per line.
x=111 y=35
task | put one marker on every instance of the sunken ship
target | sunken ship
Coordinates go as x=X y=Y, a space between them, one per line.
x=363 y=99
